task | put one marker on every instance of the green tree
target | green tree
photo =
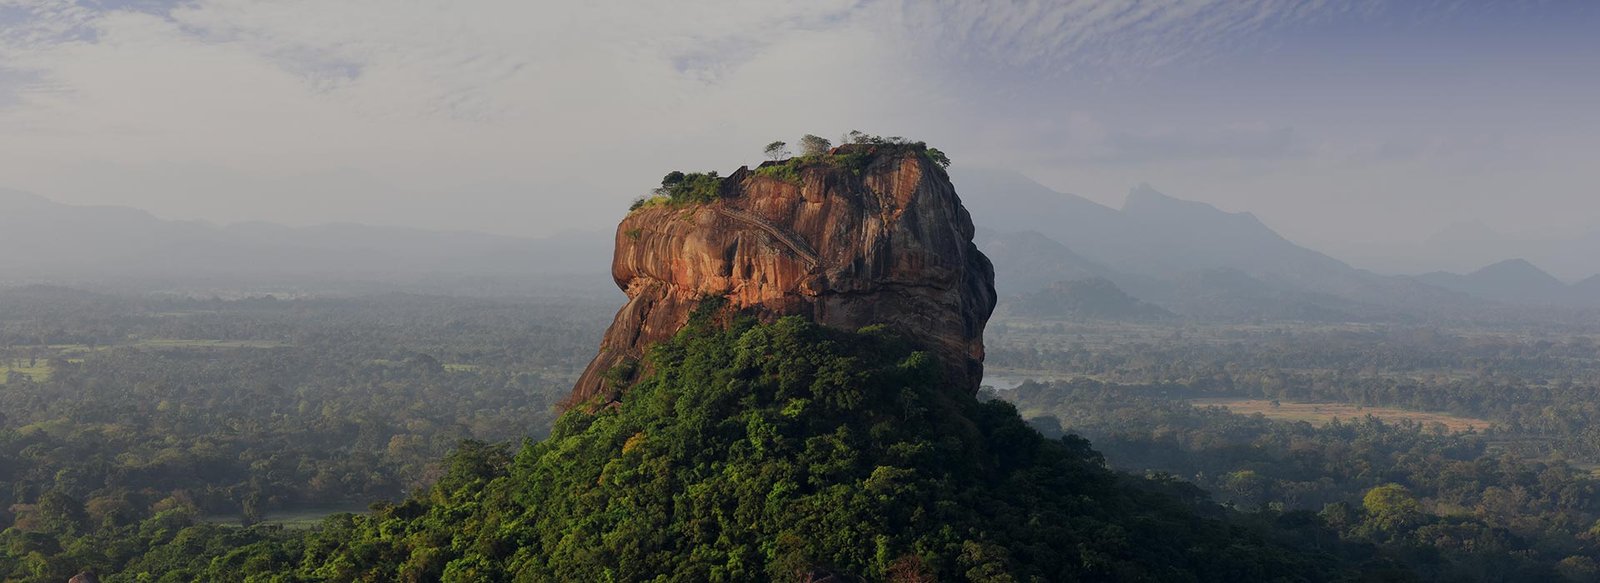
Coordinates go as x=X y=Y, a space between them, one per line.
x=777 y=150
x=60 y=513
x=811 y=145
x=1391 y=508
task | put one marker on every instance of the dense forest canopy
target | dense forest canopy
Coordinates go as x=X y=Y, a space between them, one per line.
x=139 y=433
x=115 y=409
x=757 y=452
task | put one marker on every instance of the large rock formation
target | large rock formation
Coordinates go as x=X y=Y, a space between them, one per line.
x=867 y=235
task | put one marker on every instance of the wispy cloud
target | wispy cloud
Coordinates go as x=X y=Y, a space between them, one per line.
x=211 y=107
x=1065 y=35
x=463 y=59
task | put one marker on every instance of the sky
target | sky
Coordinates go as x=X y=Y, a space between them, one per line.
x=1357 y=127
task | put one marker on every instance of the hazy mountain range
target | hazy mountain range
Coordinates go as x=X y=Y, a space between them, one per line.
x=1183 y=256
x=1518 y=281
x=1088 y=298
x=1464 y=247
x=1197 y=260
x=45 y=240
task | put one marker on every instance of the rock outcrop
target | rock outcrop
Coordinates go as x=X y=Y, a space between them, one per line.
x=870 y=234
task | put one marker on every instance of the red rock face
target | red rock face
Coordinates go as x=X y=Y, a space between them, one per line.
x=891 y=246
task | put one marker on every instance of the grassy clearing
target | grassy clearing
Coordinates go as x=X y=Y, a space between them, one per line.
x=1323 y=413
x=448 y=366
x=299 y=519
x=39 y=372
x=1011 y=377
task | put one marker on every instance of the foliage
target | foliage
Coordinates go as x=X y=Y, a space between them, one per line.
x=1540 y=389
x=859 y=137
x=776 y=150
x=895 y=143
x=1450 y=505
x=811 y=145
x=816 y=151
x=786 y=452
x=787 y=171
x=274 y=406
x=678 y=188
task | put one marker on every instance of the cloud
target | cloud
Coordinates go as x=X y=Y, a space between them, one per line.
x=1225 y=143
x=1061 y=36
x=468 y=60
x=550 y=115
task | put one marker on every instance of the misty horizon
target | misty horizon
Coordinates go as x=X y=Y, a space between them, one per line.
x=1459 y=248
x=1360 y=129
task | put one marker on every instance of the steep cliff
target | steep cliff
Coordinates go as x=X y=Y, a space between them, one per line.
x=866 y=235
x=799 y=448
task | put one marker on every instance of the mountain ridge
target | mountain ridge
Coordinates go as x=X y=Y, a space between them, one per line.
x=57 y=241
x=1157 y=241
x=1515 y=281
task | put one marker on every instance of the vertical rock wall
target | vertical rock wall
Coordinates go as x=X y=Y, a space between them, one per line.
x=887 y=242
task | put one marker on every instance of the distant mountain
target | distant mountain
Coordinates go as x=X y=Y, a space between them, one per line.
x=1156 y=240
x=1588 y=291
x=1179 y=235
x=49 y=241
x=1092 y=298
x=1462 y=247
x=1039 y=277
x=1515 y=281
x=1232 y=295
x=1573 y=257
x=1465 y=246
x=1027 y=261
x=1153 y=234
x=1005 y=201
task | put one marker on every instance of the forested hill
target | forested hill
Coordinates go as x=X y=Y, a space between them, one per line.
x=776 y=452
x=791 y=452
x=815 y=417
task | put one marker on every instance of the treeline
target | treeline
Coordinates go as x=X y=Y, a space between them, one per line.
x=782 y=452
x=148 y=416
x=1540 y=390
x=1455 y=507
x=1195 y=354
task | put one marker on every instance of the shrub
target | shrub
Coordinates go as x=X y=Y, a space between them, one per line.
x=788 y=171
x=811 y=145
x=680 y=188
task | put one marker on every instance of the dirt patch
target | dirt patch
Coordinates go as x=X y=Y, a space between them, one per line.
x=1322 y=413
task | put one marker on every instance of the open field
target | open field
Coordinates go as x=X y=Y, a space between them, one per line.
x=296 y=519
x=1322 y=413
x=39 y=372
x=1009 y=378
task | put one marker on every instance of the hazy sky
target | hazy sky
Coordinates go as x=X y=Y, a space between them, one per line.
x=1349 y=125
